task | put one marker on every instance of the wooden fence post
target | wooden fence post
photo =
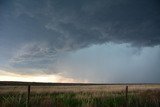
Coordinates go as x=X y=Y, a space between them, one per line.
x=126 y=96
x=28 y=96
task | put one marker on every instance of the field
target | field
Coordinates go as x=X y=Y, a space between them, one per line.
x=80 y=95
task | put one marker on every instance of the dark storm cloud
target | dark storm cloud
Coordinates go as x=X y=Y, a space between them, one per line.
x=84 y=22
x=66 y=25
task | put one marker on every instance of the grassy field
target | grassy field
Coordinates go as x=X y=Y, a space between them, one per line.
x=81 y=96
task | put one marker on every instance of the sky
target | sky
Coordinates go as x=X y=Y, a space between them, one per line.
x=102 y=41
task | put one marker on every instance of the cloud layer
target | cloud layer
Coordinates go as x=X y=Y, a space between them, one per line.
x=36 y=34
x=71 y=25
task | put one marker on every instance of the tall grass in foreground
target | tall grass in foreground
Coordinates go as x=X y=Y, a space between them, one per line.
x=147 y=98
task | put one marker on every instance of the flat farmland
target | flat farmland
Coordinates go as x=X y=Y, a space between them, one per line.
x=79 y=95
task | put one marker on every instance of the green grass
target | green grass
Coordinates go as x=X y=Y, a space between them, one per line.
x=148 y=98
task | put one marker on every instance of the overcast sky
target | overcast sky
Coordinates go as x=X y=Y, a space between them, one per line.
x=84 y=40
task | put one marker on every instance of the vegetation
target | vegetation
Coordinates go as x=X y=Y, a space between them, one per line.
x=80 y=96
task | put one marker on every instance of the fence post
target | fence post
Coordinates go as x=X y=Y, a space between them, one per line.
x=126 y=96
x=28 y=96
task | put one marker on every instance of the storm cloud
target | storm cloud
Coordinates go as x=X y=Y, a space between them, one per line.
x=77 y=24
x=37 y=33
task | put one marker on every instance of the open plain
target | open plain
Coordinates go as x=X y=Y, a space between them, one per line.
x=79 y=95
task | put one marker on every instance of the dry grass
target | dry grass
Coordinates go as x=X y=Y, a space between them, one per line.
x=81 y=96
x=75 y=89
